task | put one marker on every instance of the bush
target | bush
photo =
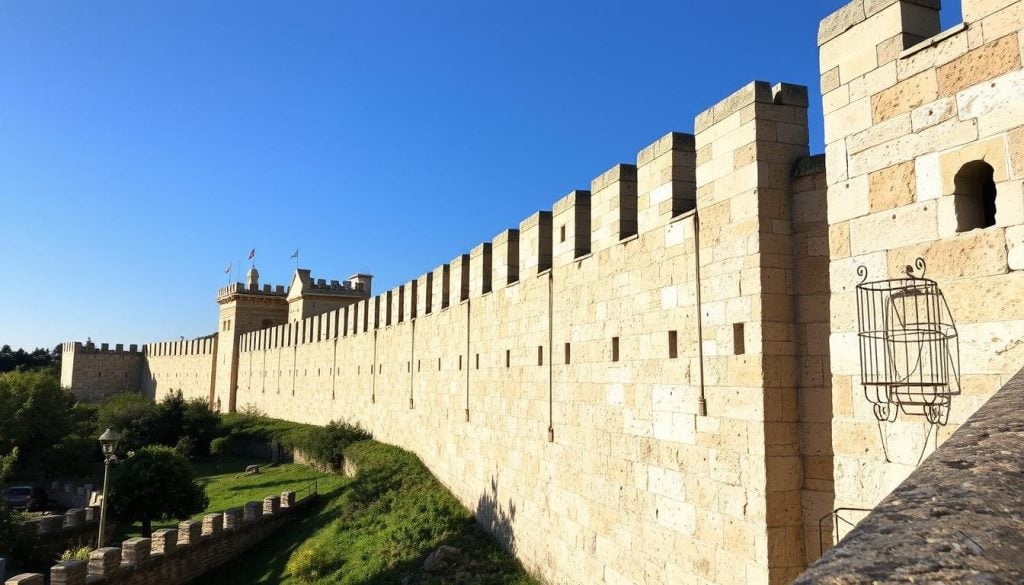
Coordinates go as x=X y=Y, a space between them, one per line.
x=223 y=446
x=186 y=425
x=326 y=445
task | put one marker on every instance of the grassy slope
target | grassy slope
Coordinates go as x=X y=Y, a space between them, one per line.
x=228 y=487
x=376 y=528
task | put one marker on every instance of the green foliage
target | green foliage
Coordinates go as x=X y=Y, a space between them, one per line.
x=393 y=515
x=223 y=446
x=186 y=425
x=132 y=415
x=37 y=359
x=324 y=446
x=376 y=527
x=42 y=420
x=10 y=521
x=155 y=483
x=79 y=553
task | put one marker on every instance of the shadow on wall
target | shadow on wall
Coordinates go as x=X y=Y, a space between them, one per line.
x=496 y=519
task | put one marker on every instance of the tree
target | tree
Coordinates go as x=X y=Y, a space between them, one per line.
x=37 y=416
x=135 y=417
x=10 y=524
x=155 y=483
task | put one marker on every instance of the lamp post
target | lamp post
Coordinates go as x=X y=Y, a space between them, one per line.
x=108 y=441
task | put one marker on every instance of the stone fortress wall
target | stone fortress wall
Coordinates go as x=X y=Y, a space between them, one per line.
x=658 y=380
x=907 y=109
x=185 y=366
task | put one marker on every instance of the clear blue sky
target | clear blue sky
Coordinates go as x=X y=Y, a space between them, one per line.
x=145 y=144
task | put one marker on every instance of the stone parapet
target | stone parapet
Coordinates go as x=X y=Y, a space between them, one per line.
x=956 y=519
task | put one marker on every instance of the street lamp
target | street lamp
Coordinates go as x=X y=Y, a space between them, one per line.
x=108 y=441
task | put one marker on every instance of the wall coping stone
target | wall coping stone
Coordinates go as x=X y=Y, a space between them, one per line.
x=958 y=518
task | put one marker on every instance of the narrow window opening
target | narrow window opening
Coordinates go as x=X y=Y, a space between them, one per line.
x=568 y=354
x=739 y=343
x=561 y=234
x=408 y=366
x=974 y=199
x=438 y=364
x=615 y=349
x=508 y=358
x=419 y=365
x=460 y=361
x=540 y=355
x=478 y=361
x=673 y=345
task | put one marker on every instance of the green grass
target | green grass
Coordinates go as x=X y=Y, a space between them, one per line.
x=378 y=528
x=228 y=487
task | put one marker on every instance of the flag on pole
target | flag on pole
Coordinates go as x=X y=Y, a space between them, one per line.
x=252 y=253
x=295 y=254
x=227 y=269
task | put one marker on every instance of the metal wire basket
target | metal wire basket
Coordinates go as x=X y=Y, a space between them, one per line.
x=909 y=347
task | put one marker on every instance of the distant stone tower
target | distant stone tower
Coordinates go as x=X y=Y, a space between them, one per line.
x=246 y=308
x=242 y=309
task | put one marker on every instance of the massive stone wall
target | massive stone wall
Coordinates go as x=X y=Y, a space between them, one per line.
x=658 y=380
x=557 y=369
x=95 y=372
x=905 y=109
x=185 y=366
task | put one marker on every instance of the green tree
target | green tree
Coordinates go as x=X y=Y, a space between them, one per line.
x=10 y=524
x=155 y=483
x=134 y=416
x=37 y=416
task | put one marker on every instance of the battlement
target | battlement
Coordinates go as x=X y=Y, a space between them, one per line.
x=238 y=288
x=171 y=556
x=206 y=345
x=104 y=348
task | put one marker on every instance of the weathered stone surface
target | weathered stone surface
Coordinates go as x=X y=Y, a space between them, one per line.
x=893 y=187
x=991 y=60
x=954 y=519
x=904 y=96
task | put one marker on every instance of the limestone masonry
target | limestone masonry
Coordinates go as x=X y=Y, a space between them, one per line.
x=659 y=379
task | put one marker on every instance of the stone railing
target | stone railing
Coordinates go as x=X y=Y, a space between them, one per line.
x=173 y=556
x=958 y=518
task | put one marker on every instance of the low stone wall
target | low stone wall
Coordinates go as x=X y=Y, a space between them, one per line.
x=175 y=556
x=959 y=518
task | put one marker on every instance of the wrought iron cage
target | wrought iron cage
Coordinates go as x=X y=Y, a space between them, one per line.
x=909 y=347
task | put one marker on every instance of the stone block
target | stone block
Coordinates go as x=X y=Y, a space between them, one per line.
x=103 y=562
x=892 y=187
x=271 y=505
x=933 y=113
x=996 y=104
x=974 y=10
x=189 y=532
x=51 y=524
x=252 y=511
x=68 y=573
x=848 y=200
x=164 y=541
x=534 y=244
x=26 y=579
x=967 y=255
x=981 y=64
x=1015 y=244
x=135 y=551
x=904 y=96
x=287 y=499
x=232 y=518
x=74 y=518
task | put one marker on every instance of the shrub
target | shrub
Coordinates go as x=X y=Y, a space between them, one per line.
x=222 y=446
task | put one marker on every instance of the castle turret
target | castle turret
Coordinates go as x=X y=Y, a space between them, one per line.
x=252 y=279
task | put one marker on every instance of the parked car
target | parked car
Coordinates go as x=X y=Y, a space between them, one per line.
x=17 y=496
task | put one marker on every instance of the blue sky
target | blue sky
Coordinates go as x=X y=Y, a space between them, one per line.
x=144 y=144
